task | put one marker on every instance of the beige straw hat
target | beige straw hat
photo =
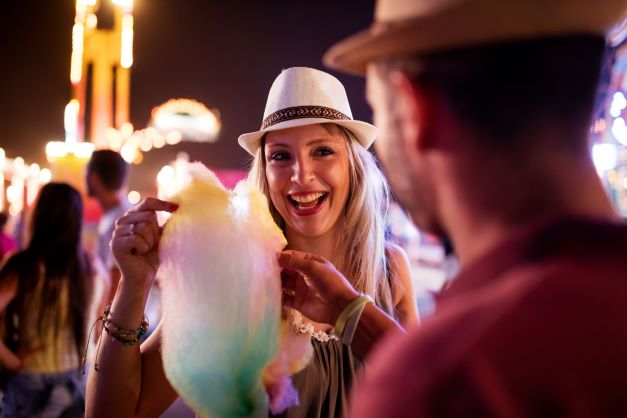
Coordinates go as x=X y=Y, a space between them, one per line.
x=404 y=27
x=303 y=96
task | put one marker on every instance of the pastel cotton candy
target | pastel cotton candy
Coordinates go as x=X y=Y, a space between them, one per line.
x=221 y=298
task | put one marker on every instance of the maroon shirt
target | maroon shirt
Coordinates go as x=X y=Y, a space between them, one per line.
x=537 y=327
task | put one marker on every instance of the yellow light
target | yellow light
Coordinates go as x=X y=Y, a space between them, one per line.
x=173 y=137
x=145 y=144
x=134 y=197
x=34 y=170
x=91 y=21
x=83 y=3
x=45 y=176
x=126 y=5
x=126 y=58
x=56 y=149
x=1 y=190
x=83 y=149
x=158 y=141
x=612 y=178
x=127 y=129
x=128 y=153
x=166 y=175
x=71 y=121
x=76 y=69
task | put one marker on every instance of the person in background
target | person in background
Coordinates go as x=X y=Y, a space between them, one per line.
x=7 y=242
x=484 y=108
x=107 y=176
x=49 y=295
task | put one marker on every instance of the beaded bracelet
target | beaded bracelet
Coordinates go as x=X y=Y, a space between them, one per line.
x=124 y=335
x=346 y=323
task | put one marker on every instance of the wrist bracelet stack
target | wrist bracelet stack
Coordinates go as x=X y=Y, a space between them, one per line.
x=346 y=323
x=124 y=335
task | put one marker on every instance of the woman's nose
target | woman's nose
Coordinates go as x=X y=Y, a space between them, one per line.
x=303 y=171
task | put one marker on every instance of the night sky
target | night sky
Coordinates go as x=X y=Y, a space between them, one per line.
x=224 y=54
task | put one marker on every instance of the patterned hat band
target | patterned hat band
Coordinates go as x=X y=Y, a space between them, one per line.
x=300 y=112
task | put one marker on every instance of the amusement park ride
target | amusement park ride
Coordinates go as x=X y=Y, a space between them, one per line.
x=98 y=115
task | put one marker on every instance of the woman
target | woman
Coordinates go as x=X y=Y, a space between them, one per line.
x=46 y=292
x=328 y=196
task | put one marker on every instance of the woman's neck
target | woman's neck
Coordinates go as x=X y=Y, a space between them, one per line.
x=322 y=245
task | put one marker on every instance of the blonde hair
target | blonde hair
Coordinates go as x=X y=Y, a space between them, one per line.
x=361 y=243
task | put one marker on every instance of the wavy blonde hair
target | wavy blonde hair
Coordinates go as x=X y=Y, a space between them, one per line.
x=361 y=243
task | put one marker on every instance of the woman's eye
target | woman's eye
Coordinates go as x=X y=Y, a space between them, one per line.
x=279 y=156
x=324 y=151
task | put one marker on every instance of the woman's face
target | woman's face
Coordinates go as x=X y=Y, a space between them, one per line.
x=308 y=177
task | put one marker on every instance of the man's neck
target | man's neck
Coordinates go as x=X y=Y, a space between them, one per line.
x=110 y=200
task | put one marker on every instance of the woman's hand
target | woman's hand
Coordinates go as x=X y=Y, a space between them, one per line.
x=313 y=286
x=135 y=240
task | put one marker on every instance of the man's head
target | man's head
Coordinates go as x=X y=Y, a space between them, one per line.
x=107 y=173
x=449 y=81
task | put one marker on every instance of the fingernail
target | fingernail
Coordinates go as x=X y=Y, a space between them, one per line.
x=174 y=206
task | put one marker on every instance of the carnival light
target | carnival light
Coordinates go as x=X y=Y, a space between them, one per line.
x=76 y=69
x=604 y=156
x=91 y=21
x=134 y=197
x=45 y=175
x=619 y=131
x=2 y=162
x=70 y=119
x=173 y=137
x=126 y=58
x=126 y=5
x=618 y=104
x=190 y=118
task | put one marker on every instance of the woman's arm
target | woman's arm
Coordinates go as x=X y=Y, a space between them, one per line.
x=130 y=381
x=402 y=286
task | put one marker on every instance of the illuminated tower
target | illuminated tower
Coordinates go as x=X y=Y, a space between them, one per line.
x=101 y=61
x=109 y=53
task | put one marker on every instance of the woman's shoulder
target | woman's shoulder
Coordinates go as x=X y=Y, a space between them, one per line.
x=395 y=254
x=399 y=269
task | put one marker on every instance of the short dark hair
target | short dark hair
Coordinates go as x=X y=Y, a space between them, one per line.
x=512 y=89
x=3 y=220
x=110 y=167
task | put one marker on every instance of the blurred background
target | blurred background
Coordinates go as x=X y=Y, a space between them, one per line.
x=164 y=82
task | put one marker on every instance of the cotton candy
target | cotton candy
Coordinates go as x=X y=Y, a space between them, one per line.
x=222 y=341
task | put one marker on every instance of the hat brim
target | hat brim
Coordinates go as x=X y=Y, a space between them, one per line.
x=466 y=26
x=364 y=132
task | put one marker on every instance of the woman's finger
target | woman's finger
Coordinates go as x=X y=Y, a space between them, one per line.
x=153 y=204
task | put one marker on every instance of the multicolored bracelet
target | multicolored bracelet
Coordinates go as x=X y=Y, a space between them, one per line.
x=124 y=335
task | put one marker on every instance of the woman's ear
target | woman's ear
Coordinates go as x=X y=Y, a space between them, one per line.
x=413 y=110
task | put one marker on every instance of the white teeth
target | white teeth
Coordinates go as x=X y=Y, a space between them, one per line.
x=306 y=198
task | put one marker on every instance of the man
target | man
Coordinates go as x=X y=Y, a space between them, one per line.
x=484 y=107
x=107 y=175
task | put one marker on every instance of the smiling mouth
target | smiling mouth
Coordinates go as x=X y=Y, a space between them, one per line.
x=309 y=201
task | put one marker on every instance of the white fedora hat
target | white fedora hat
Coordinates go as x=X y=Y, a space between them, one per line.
x=404 y=27
x=303 y=96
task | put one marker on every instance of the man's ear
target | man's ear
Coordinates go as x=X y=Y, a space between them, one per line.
x=93 y=180
x=413 y=110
